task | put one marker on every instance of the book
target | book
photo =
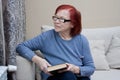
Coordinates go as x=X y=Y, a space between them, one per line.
x=56 y=68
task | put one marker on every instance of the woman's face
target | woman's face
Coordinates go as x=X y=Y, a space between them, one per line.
x=62 y=21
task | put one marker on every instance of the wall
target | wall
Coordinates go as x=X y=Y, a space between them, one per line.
x=95 y=13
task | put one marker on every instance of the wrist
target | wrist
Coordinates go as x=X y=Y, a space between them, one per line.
x=36 y=59
x=76 y=70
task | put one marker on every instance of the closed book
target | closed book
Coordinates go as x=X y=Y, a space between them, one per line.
x=56 y=68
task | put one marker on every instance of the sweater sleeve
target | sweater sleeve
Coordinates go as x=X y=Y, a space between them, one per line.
x=26 y=49
x=88 y=67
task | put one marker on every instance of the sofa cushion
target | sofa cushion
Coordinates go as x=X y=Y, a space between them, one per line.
x=112 y=74
x=113 y=55
x=46 y=28
x=98 y=53
x=104 y=33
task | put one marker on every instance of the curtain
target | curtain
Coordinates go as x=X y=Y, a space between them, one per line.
x=12 y=31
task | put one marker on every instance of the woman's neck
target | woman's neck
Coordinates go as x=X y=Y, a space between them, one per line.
x=65 y=36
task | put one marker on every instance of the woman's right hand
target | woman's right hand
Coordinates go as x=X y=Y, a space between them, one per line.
x=42 y=63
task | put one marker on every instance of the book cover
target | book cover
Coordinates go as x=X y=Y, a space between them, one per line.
x=56 y=68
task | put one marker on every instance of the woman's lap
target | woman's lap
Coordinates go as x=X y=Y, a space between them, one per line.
x=67 y=76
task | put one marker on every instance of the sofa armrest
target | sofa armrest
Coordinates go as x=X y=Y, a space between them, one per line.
x=25 y=69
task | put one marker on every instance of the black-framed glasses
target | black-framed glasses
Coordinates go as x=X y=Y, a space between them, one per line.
x=55 y=18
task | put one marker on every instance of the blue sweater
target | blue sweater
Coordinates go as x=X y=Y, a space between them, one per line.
x=56 y=50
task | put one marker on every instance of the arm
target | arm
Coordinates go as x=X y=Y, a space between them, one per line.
x=27 y=48
x=88 y=67
x=85 y=65
x=42 y=63
x=73 y=68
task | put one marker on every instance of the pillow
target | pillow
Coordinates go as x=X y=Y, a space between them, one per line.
x=113 y=55
x=46 y=28
x=98 y=53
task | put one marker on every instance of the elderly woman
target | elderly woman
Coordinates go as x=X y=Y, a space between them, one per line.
x=63 y=44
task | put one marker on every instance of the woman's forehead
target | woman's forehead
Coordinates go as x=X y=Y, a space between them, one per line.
x=63 y=13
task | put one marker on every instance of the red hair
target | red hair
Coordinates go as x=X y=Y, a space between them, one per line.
x=75 y=17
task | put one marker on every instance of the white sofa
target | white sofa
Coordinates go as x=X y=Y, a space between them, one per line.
x=105 y=48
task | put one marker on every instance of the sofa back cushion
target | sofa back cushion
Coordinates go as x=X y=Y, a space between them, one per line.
x=97 y=48
x=101 y=33
x=113 y=55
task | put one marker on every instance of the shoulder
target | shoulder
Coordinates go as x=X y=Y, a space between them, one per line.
x=83 y=38
x=47 y=34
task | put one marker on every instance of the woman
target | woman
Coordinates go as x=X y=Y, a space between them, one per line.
x=63 y=44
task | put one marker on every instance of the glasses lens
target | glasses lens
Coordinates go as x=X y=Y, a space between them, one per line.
x=62 y=20
x=54 y=18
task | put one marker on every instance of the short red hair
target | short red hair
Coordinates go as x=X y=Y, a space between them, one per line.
x=75 y=17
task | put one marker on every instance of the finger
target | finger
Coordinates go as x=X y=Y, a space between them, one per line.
x=48 y=64
x=68 y=66
x=45 y=70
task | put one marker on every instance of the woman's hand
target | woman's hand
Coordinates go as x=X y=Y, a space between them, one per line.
x=42 y=63
x=73 y=68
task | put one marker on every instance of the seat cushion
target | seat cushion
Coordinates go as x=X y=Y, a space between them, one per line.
x=112 y=74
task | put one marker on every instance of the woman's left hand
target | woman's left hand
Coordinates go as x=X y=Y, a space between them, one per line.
x=71 y=67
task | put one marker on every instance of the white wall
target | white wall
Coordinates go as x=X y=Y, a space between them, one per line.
x=95 y=13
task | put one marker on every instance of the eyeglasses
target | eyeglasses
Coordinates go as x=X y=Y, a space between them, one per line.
x=55 y=18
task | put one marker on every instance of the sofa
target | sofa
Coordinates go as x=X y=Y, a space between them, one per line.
x=105 y=48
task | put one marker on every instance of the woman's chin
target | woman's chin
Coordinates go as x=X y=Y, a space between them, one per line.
x=57 y=30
